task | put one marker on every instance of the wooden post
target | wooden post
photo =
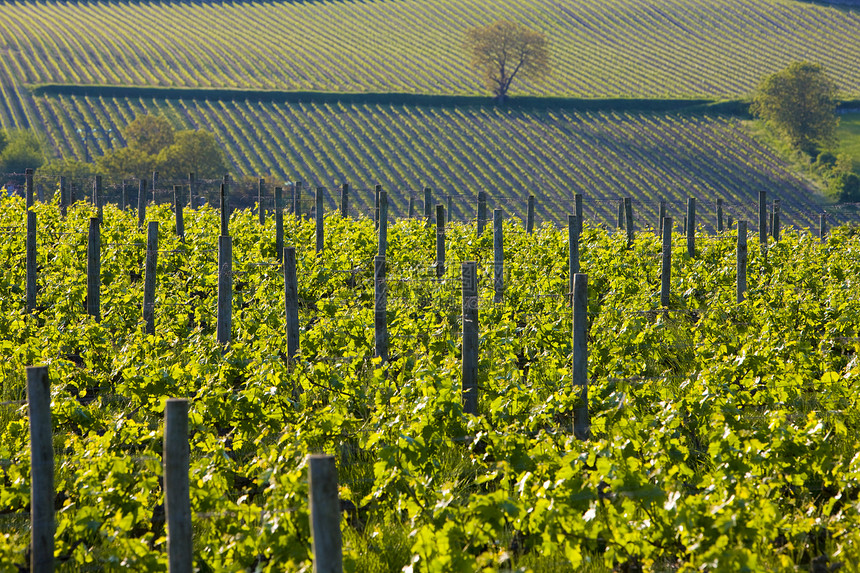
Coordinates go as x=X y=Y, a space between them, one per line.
x=344 y=200
x=261 y=209
x=380 y=325
x=383 y=224
x=225 y=289
x=440 y=241
x=376 y=193
x=149 y=276
x=775 y=227
x=428 y=206
x=279 y=223
x=666 y=271
x=742 y=260
x=661 y=215
x=448 y=203
x=719 y=215
x=469 y=274
x=291 y=301
x=411 y=211
x=530 y=215
x=97 y=195
x=498 y=257
x=482 y=212
x=762 y=220
x=28 y=186
x=94 y=267
x=64 y=195
x=620 y=224
x=31 y=261
x=572 y=252
x=225 y=211
x=581 y=421
x=178 y=202
x=141 y=202
x=628 y=221
x=154 y=187
x=691 y=227
x=319 y=216
x=729 y=222
x=325 y=514
x=822 y=227
x=297 y=199
x=177 y=502
x=41 y=470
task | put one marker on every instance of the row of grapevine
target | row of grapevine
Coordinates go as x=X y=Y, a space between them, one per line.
x=509 y=153
x=679 y=48
x=724 y=435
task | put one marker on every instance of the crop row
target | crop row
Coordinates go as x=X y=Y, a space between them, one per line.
x=600 y=49
x=724 y=435
x=460 y=151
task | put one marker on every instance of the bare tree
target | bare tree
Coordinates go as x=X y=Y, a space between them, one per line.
x=505 y=50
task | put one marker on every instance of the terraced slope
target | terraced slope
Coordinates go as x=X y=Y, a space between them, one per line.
x=650 y=48
x=459 y=151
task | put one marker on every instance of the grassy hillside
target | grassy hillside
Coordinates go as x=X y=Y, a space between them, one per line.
x=461 y=150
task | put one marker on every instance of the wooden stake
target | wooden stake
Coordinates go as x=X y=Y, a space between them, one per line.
x=225 y=211
x=325 y=514
x=261 y=209
x=742 y=261
x=319 y=216
x=178 y=202
x=149 y=277
x=628 y=221
x=41 y=470
x=279 y=223
x=383 y=224
x=666 y=271
x=691 y=227
x=719 y=215
x=344 y=200
x=291 y=301
x=177 y=502
x=31 y=261
x=225 y=289
x=64 y=196
x=97 y=195
x=94 y=267
x=469 y=274
x=581 y=419
x=530 y=215
x=498 y=257
x=762 y=220
x=380 y=324
x=440 y=241
x=572 y=252
x=482 y=212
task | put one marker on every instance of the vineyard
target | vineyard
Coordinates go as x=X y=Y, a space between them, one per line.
x=724 y=435
x=509 y=153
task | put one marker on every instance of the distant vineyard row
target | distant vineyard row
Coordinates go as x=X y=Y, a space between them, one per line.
x=676 y=48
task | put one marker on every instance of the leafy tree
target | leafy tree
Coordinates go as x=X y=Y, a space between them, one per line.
x=800 y=102
x=126 y=163
x=193 y=151
x=505 y=50
x=22 y=150
x=149 y=133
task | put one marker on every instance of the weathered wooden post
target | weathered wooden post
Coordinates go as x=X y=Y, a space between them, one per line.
x=141 y=202
x=225 y=289
x=410 y=212
x=762 y=220
x=279 y=223
x=94 y=267
x=572 y=252
x=666 y=271
x=319 y=216
x=498 y=257
x=440 y=241
x=742 y=261
x=691 y=227
x=628 y=221
x=225 y=211
x=177 y=501
x=41 y=470
x=291 y=301
x=376 y=193
x=382 y=244
x=729 y=222
x=344 y=200
x=178 y=202
x=719 y=215
x=428 y=206
x=581 y=420
x=150 y=269
x=64 y=196
x=380 y=324
x=530 y=214
x=261 y=209
x=31 y=261
x=469 y=274
x=325 y=514
x=482 y=212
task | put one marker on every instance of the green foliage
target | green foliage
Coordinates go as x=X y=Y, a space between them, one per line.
x=193 y=151
x=22 y=151
x=725 y=436
x=126 y=163
x=149 y=134
x=799 y=102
